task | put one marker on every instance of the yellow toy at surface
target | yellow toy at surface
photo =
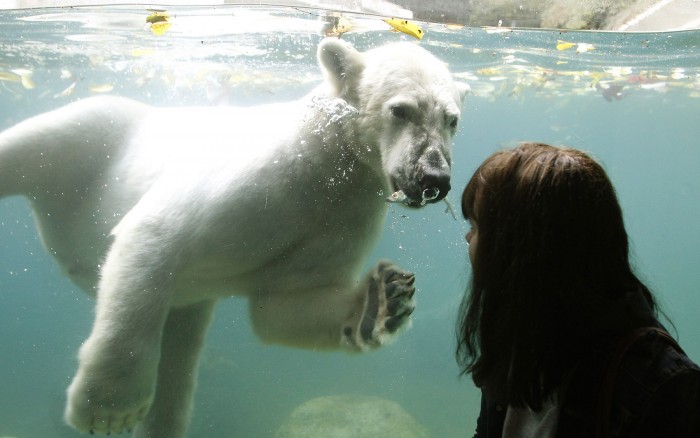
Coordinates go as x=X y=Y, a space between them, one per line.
x=405 y=26
x=159 y=22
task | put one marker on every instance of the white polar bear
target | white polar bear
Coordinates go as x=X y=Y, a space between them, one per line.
x=162 y=211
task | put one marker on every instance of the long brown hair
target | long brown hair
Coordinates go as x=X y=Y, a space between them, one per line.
x=552 y=261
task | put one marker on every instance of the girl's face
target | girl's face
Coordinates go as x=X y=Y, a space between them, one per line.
x=472 y=238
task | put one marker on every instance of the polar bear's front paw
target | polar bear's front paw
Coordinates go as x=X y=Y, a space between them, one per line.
x=111 y=404
x=388 y=306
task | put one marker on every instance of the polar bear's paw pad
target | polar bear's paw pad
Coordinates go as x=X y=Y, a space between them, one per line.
x=104 y=421
x=389 y=305
x=102 y=411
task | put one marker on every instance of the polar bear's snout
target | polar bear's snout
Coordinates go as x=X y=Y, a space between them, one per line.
x=434 y=186
x=434 y=175
x=426 y=180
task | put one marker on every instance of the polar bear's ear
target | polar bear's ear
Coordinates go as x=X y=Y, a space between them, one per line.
x=464 y=89
x=341 y=64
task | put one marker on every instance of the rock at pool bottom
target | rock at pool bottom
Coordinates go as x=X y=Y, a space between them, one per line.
x=350 y=416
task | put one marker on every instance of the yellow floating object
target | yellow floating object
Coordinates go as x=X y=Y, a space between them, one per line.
x=563 y=45
x=158 y=17
x=138 y=52
x=160 y=28
x=27 y=82
x=405 y=26
x=21 y=75
x=580 y=47
x=159 y=21
x=101 y=88
x=9 y=76
x=489 y=71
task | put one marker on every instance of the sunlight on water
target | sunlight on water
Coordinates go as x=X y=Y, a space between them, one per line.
x=631 y=99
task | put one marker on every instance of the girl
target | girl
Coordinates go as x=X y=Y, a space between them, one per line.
x=557 y=331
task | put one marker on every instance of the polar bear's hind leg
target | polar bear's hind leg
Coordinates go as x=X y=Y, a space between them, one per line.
x=183 y=338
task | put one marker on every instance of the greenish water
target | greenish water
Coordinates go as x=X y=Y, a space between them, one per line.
x=632 y=100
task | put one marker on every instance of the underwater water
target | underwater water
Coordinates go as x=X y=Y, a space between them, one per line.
x=630 y=99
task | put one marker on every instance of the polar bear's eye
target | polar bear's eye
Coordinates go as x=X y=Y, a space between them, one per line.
x=400 y=112
x=453 y=120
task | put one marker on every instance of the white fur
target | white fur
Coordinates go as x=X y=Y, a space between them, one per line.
x=162 y=211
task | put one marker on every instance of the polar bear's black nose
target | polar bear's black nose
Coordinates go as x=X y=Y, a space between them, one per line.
x=435 y=186
x=434 y=177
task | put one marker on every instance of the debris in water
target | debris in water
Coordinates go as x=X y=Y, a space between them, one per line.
x=67 y=92
x=101 y=88
x=337 y=26
x=449 y=208
x=397 y=196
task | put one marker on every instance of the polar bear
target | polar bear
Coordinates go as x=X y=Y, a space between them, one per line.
x=160 y=212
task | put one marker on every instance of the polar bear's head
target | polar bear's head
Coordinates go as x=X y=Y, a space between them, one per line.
x=408 y=110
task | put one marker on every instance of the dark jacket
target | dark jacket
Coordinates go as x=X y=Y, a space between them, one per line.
x=644 y=386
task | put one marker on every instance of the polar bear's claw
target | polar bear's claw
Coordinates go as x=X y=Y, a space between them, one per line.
x=389 y=304
x=114 y=424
